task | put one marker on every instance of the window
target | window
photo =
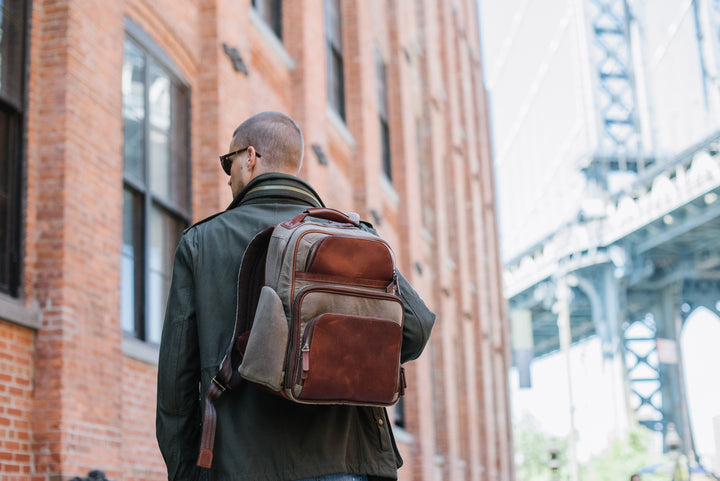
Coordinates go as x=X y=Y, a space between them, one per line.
x=13 y=18
x=382 y=100
x=156 y=203
x=271 y=12
x=334 y=57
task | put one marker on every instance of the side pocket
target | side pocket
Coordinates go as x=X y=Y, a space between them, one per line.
x=267 y=345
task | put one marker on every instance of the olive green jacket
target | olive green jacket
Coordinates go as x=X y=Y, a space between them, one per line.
x=260 y=436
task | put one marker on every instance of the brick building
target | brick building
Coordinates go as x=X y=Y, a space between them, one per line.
x=112 y=116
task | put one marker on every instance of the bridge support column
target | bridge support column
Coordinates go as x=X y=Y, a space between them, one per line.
x=615 y=316
x=668 y=322
x=522 y=344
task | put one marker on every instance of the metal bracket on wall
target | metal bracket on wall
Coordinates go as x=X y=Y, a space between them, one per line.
x=237 y=61
x=320 y=154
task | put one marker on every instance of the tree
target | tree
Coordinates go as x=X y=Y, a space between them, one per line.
x=532 y=452
x=622 y=458
x=625 y=457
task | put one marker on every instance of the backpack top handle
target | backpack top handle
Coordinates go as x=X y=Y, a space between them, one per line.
x=321 y=213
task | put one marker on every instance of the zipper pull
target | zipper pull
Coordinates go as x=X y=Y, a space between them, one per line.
x=394 y=286
x=305 y=361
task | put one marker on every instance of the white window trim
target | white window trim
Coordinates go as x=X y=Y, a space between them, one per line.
x=340 y=126
x=140 y=350
x=389 y=188
x=269 y=36
x=14 y=311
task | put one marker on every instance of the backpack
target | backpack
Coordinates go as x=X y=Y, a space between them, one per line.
x=318 y=318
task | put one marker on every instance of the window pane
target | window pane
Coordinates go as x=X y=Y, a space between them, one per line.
x=131 y=269
x=159 y=159
x=385 y=148
x=168 y=134
x=333 y=28
x=159 y=98
x=331 y=79
x=179 y=148
x=165 y=232
x=382 y=101
x=334 y=57
x=336 y=92
x=4 y=160
x=12 y=13
x=133 y=89
x=381 y=79
x=9 y=208
x=271 y=12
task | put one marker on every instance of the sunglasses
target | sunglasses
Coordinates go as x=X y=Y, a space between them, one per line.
x=226 y=159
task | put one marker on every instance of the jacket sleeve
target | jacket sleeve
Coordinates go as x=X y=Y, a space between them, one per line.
x=419 y=321
x=178 y=399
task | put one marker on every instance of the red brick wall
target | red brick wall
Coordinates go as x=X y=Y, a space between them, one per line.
x=76 y=399
x=140 y=451
x=16 y=377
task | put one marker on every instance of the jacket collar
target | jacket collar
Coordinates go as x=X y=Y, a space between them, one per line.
x=277 y=187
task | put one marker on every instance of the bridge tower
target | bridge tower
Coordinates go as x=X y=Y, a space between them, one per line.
x=642 y=253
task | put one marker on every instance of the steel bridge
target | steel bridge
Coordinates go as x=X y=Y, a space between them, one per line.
x=632 y=268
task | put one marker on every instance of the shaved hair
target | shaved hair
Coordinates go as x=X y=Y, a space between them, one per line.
x=276 y=137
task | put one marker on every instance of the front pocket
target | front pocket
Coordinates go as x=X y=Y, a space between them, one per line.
x=264 y=358
x=350 y=358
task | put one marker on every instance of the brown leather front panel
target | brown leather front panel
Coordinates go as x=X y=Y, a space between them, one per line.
x=352 y=257
x=352 y=359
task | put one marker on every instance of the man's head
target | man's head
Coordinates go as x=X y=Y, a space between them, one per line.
x=266 y=142
x=635 y=477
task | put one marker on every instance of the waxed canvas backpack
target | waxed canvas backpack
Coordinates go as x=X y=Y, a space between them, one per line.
x=318 y=318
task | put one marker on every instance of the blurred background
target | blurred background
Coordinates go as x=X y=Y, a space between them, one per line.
x=548 y=172
x=605 y=118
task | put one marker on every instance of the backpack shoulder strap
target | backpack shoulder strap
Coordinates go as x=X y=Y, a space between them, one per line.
x=251 y=279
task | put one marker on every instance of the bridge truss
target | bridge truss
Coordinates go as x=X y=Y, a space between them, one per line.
x=651 y=257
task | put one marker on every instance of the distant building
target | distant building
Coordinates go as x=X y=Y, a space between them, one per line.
x=112 y=115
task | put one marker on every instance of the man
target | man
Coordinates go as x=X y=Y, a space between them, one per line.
x=260 y=436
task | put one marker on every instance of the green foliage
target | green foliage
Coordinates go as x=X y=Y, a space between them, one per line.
x=622 y=458
x=532 y=453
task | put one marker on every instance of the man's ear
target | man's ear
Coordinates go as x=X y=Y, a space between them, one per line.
x=251 y=158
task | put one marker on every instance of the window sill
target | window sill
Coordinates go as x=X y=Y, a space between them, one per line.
x=269 y=36
x=13 y=310
x=340 y=126
x=140 y=350
x=389 y=189
x=402 y=436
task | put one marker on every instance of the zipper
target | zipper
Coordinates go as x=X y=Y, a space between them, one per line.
x=296 y=353
x=316 y=246
x=305 y=352
x=312 y=253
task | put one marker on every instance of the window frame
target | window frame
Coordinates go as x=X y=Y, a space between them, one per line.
x=383 y=113
x=334 y=58
x=15 y=108
x=270 y=11
x=149 y=199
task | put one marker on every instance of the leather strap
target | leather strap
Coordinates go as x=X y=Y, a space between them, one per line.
x=322 y=213
x=207 y=442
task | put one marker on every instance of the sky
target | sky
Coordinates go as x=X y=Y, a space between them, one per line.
x=539 y=68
